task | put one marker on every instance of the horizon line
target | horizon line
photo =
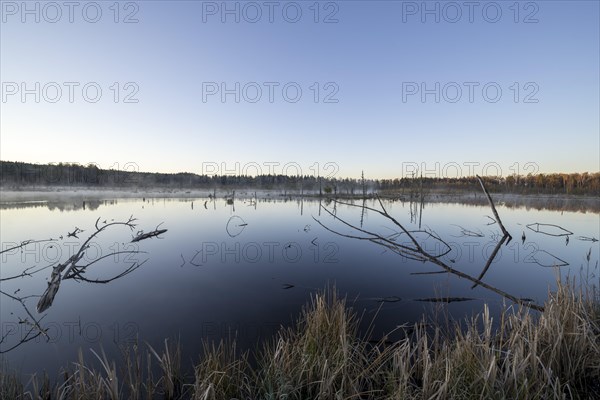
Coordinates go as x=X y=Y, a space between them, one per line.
x=427 y=175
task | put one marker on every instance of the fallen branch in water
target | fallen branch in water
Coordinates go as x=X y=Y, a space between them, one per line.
x=26 y=272
x=468 y=232
x=556 y=261
x=489 y=261
x=241 y=224
x=491 y=219
x=25 y=243
x=539 y=228
x=415 y=251
x=143 y=236
x=496 y=216
x=429 y=273
x=445 y=299
x=71 y=270
x=34 y=323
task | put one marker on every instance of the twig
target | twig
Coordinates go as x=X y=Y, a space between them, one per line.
x=25 y=273
x=492 y=219
x=467 y=232
x=536 y=228
x=227 y=227
x=35 y=322
x=25 y=243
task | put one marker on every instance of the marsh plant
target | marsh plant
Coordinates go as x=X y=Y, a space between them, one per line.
x=554 y=354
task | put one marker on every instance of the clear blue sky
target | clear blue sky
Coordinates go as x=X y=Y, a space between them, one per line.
x=375 y=61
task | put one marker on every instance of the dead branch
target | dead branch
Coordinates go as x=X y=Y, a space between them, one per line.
x=78 y=270
x=489 y=261
x=493 y=221
x=26 y=273
x=468 y=232
x=55 y=279
x=556 y=261
x=417 y=252
x=30 y=335
x=69 y=269
x=78 y=277
x=429 y=273
x=497 y=217
x=389 y=299
x=143 y=236
x=445 y=299
x=35 y=323
x=74 y=234
x=25 y=243
x=241 y=224
x=539 y=228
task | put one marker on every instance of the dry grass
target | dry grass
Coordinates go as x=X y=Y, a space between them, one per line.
x=549 y=355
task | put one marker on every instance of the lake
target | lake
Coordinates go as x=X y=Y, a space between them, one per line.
x=242 y=268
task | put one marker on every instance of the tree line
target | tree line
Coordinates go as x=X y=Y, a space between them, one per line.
x=21 y=175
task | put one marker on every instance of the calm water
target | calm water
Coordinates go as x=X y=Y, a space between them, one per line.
x=246 y=268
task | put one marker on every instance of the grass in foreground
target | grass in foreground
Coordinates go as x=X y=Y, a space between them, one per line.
x=551 y=355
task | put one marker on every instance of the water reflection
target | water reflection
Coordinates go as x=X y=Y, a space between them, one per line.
x=92 y=201
x=248 y=265
x=76 y=267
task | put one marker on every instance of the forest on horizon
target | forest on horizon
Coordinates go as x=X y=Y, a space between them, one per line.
x=18 y=175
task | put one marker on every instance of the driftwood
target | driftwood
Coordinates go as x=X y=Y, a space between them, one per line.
x=489 y=261
x=539 y=228
x=70 y=270
x=148 y=235
x=413 y=250
x=445 y=299
x=389 y=299
x=143 y=236
x=55 y=278
x=496 y=216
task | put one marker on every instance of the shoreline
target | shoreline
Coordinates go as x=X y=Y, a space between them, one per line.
x=11 y=197
x=323 y=355
x=205 y=192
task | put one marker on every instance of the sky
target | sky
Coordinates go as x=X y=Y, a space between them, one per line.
x=326 y=88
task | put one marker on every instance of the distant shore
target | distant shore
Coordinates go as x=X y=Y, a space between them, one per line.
x=13 y=196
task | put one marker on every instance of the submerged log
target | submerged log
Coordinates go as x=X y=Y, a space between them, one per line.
x=445 y=299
